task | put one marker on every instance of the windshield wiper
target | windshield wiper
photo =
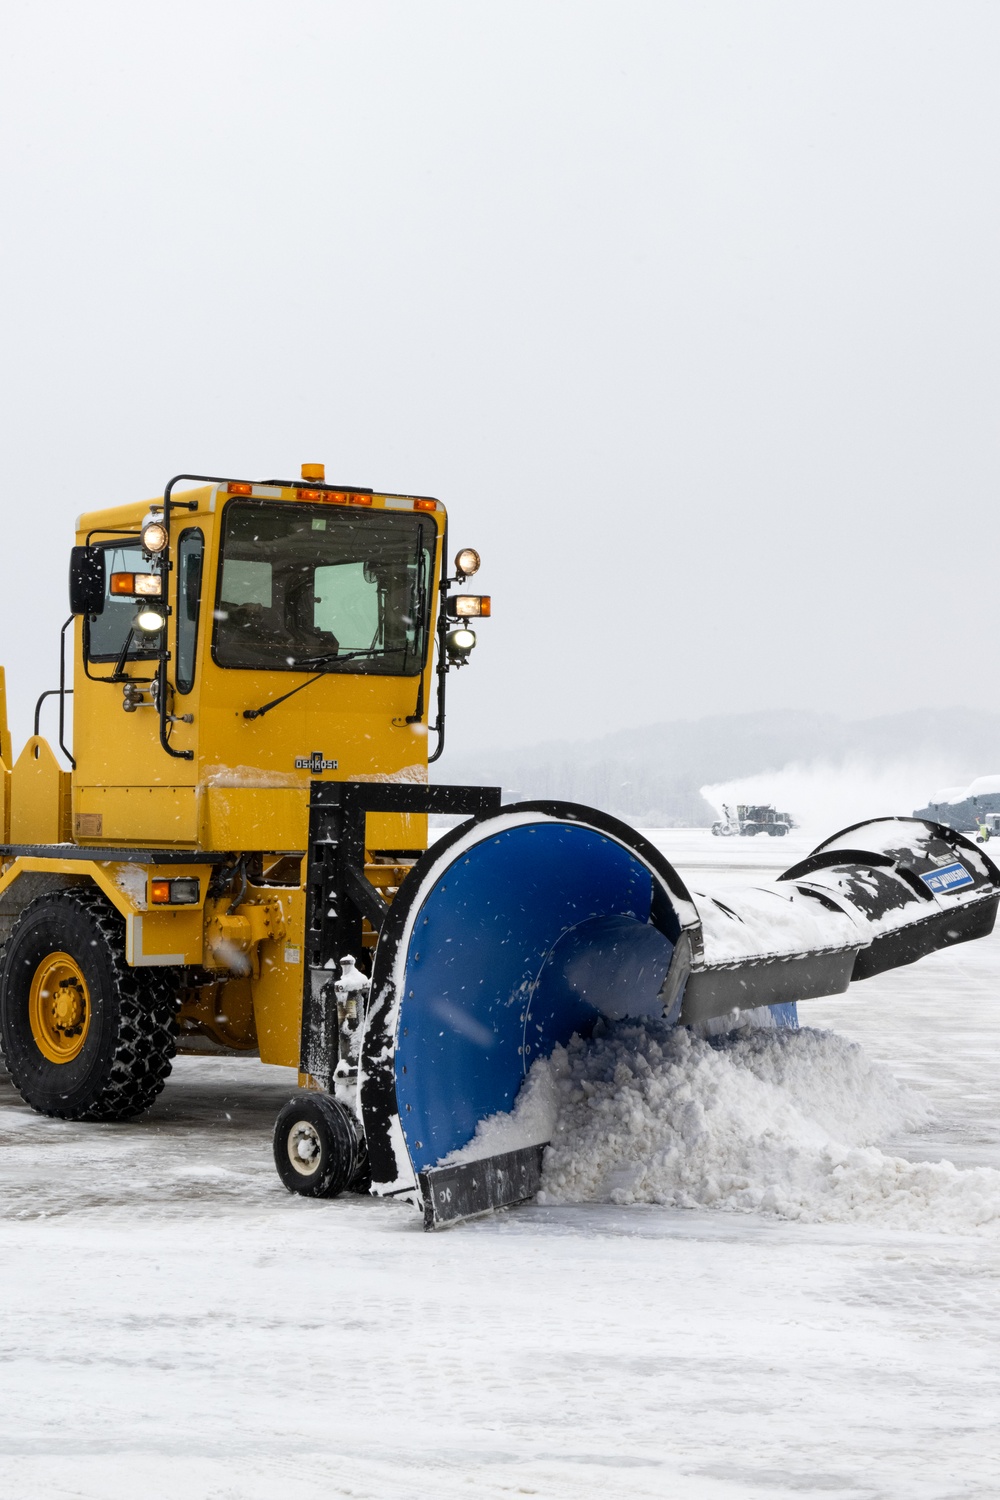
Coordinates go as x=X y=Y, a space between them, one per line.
x=306 y=661
x=118 y=675
x=258 y=713
x=321 y=661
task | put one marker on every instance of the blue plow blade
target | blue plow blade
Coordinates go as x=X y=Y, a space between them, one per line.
x=521 y=929
x=563 y=914
x=511 y=936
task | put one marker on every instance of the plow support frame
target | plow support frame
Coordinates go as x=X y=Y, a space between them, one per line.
x=339 y=897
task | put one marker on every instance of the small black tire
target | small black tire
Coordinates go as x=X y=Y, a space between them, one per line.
x=112 y=1064
x=318 y=1147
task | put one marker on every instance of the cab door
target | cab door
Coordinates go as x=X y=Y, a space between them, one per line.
x=126 y=789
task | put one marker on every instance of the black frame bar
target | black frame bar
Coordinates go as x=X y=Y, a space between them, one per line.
x=105 y=855
x=339 y=896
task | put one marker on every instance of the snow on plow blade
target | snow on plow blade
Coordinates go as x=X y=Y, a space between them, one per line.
x=522 y=928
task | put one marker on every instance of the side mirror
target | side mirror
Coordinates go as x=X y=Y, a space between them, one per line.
x=86 y=581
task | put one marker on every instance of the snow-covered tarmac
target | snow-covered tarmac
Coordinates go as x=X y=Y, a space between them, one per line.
x=175 y=1325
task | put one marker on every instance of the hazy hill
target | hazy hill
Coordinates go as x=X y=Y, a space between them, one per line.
x=653 y=774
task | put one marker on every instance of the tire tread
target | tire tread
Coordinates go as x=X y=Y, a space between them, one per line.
x=145 y=1043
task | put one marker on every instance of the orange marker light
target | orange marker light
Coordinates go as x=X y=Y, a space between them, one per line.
x=122 y=583
x=360 y=499
x=159 y=892
x=311 y=494
x=425 y=505
x=237 y=487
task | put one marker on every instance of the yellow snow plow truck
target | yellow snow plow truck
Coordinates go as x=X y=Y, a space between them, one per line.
x=231 y=854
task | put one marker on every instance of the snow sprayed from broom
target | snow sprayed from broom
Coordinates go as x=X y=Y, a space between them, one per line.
x=823 y=797
x=779 y=1122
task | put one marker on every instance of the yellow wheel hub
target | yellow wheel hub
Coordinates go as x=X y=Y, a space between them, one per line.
x=59 y=1008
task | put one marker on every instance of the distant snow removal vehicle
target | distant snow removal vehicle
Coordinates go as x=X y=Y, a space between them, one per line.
x=727 y=825
x=762 y=818
x=239 y=862
x=751 y=819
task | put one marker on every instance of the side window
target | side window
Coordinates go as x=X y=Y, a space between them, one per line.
x=107 y=633
x=190 y=554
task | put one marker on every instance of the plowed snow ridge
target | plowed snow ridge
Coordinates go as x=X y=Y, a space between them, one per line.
x=780 y=1122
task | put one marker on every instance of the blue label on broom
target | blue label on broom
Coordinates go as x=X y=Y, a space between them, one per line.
x=950 y=878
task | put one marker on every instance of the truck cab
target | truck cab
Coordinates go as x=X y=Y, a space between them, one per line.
x=297 y=625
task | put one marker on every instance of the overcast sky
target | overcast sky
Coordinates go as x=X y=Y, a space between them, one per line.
x=688 y=312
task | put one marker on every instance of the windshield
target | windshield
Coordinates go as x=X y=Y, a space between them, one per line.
x=310 y=588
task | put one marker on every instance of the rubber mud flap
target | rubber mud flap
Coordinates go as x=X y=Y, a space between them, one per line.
x=478 y=1187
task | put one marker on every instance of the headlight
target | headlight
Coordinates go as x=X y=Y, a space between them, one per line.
x=150 y=620
x=149 y=585
x=183 y=892
x=154 y=536
x=469 y=606
x=460 y=642
x=467 y=562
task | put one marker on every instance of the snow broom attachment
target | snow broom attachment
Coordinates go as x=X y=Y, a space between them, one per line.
x=538 y=921
x=875 y=896
x=918 y=886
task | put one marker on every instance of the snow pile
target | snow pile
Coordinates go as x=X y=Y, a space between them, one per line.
x=775 y=1121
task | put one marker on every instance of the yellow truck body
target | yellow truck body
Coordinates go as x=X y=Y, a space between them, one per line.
x=228 y=805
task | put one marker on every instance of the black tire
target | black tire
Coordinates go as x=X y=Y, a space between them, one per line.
x=318 y=1148
x=128 y=1042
